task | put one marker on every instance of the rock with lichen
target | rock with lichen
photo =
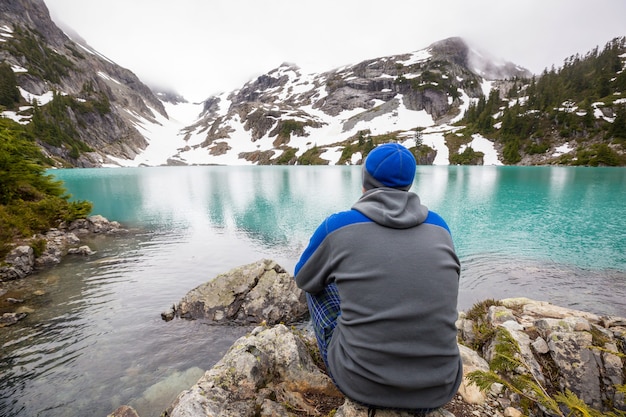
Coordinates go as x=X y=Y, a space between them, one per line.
x=250 y=294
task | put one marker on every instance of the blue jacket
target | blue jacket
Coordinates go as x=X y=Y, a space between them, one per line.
x=397 y=274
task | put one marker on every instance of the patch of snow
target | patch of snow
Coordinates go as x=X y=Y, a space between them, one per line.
x=598 y=114
x=465 y=103
x=107 y=77
x=486 y=86
x=436 y=140
x=332 y=155
x=5 y=32
x=481 y=144
x=417 y=57
x=17 y=68
x=15 y=117
x=563 y=149
x=163 y=136
x=42 y=100
x=399 y=119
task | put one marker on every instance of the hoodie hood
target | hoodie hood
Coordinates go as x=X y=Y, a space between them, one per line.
x=391 y=207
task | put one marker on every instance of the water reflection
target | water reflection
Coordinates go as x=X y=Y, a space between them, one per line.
x=571 y=216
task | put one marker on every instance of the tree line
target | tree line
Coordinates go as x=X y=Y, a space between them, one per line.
x=561 y=105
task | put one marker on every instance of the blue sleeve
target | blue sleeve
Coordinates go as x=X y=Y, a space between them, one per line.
x=435 y=219
x=330 y=225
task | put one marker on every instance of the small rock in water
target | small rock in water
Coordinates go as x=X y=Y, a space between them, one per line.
x=9 y=319
x=83 y=250
x=25 y=309
x=169 y=313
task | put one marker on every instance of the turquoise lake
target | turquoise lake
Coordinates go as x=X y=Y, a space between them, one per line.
x=94 y=338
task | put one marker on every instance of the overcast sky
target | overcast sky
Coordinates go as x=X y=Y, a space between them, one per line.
x=204 y=47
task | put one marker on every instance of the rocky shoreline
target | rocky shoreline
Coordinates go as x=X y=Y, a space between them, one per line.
x=45 y=250
x=275 y=370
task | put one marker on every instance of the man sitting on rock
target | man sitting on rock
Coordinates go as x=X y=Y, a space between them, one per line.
x=382 y=283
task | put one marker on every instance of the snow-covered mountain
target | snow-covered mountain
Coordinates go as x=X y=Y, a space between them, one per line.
x=282 y=117
x=287 y=117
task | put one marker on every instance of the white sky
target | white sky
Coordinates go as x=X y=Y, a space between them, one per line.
x=204 y=47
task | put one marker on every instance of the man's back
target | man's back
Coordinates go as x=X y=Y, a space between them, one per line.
x=395 y=341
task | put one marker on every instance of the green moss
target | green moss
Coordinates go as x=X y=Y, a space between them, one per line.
x=483 y=330
x=598 y=338
x=39 y=246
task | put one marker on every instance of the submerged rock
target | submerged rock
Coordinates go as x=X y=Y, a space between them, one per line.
x=9 y=319
x=124 y=411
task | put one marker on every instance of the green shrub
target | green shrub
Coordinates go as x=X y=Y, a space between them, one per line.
x=468 y=157
x=30 y=200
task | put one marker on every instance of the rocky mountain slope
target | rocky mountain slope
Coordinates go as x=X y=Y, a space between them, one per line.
x=45 y=60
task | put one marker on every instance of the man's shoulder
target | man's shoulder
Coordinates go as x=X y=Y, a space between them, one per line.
x=435 y=219
x=344 y=218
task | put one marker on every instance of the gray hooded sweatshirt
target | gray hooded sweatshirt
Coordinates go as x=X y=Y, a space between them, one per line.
x=397 y=274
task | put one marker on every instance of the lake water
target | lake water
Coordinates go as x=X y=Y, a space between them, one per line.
x=94 y=338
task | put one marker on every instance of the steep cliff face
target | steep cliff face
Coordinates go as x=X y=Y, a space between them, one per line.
x=107 y=101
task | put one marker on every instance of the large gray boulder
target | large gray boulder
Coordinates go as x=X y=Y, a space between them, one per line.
x=267 y=372
x=260 y=292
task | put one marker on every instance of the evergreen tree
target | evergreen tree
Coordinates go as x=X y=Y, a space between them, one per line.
x=618 y=130
x=9 y=93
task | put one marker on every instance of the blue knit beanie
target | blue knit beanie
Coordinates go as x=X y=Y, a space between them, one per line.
x=389 y=165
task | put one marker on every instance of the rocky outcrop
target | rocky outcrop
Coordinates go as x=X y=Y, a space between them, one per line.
x=53 y=245
x=562 y=349
x=269 y=372
x=259 y=292
x=277 y=371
